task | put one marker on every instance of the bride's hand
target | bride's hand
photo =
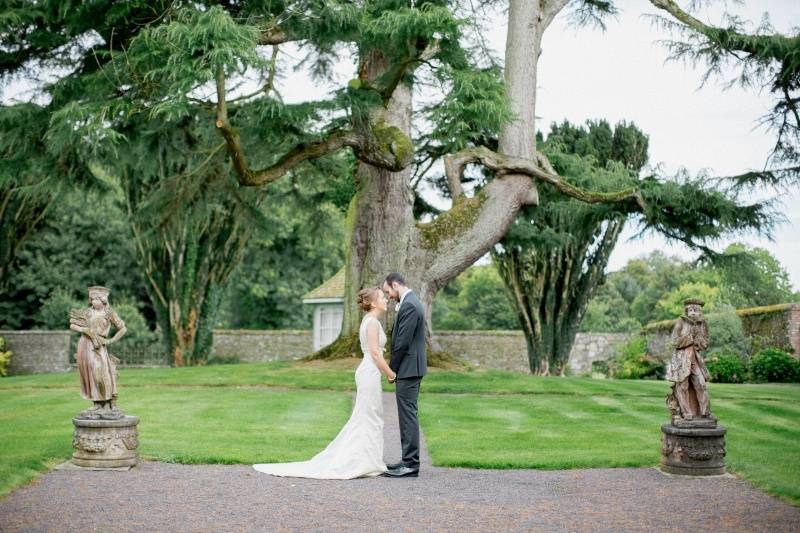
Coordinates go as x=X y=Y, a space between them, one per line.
x=392 y=378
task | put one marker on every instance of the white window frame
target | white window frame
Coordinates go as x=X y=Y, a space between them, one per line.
x=336 y=313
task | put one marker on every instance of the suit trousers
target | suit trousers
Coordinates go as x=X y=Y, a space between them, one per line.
x=406 y=393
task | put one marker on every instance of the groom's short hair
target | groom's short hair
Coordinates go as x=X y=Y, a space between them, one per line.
x=395 y=277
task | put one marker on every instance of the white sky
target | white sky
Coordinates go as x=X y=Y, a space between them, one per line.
x=621 y=74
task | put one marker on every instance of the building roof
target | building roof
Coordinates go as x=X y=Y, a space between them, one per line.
x=333 y=288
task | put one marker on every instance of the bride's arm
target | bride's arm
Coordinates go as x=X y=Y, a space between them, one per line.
x=373 y=334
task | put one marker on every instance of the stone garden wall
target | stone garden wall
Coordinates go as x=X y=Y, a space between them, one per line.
x=48 y=351
x=778 y=326
x=252 y=346
x=37 y=352
x=503 y=350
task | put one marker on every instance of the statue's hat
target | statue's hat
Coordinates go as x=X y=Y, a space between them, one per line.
x=694 y=301
x=97 y=290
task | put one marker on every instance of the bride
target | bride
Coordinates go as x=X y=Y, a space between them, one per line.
x=357 y=451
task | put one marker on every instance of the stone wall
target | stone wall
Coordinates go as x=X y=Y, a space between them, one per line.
x=253 y=346
x=48 y=351
x=37 y=352
x=591 y=347
x=502 y=350
x=775 y=326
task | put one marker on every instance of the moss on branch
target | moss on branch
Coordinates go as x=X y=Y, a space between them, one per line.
x=460 y=218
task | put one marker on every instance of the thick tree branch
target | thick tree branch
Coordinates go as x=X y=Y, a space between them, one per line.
x=393 y=76
x=539 y=169
x=273 y=35
x=378 y=144
x=726 y=37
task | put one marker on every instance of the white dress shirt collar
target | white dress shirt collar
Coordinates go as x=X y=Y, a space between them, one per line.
x=403 y=297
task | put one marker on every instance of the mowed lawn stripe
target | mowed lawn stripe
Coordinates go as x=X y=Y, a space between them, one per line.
x=220 y=425
x=313 y=376
x=557 y=432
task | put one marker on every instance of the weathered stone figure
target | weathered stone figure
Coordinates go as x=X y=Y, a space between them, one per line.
x=692 y=444
x=687 y=371
x=97 y=368
x=104 y=436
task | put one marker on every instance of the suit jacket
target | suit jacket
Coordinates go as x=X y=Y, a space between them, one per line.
x=408 y=340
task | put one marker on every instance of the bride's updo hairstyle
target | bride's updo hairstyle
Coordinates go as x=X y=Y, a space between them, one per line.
x=366 y=297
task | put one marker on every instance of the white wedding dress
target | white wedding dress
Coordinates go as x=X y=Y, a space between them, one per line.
x=357 y=451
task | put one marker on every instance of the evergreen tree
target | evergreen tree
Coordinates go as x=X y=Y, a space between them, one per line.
x=175 y=69
x=554 y=256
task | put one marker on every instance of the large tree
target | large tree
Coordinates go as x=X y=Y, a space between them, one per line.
x=193 y=58
x=554 y=256
x=189 y=220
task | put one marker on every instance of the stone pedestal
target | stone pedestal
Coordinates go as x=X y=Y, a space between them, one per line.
x=693 y=451
x=105 y=443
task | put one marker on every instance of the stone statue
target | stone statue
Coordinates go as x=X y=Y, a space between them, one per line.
x=693 y=443
x=97 y=368
x=687 y=371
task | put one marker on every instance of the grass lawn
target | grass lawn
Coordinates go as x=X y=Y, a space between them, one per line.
x=483 y=419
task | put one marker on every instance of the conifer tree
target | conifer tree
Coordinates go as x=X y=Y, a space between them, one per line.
x=184 y=64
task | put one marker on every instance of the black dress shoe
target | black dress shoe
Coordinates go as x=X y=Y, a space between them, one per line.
x=403 y=471
x=395 y=466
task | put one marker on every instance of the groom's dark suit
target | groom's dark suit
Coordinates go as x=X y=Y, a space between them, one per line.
x=410 y=363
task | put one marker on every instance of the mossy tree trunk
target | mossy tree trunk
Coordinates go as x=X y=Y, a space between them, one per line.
x=385 y=237
x=187 y=254
x=551 y=287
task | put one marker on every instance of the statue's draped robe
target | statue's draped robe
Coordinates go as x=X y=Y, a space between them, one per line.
x=688 y=368
x=97 y=369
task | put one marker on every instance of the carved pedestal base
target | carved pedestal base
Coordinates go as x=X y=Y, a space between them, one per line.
x=693 y=451
x=105 y=443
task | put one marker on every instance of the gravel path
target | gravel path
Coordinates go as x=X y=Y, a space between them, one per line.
x=158 y=497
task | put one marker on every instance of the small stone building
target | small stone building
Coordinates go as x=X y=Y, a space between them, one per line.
x=328 y=302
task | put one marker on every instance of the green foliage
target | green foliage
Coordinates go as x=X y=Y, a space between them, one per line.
x=476 y=299
x=189 y=49
x=727 y=368
x=608 y=315
x=751 y=277
x=766 y=59
x=727 y=335
x=54 y=313
x=223 y=360
x=652 y=288
x=671 y=304
x=554 y=255
x=5 y=357
x=775 y=366
x=632 y=361
x=85 y=241
x=139 y=336
x=472 y=111
x=298 y=247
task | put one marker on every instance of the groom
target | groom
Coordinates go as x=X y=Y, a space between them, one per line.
x=410 y=364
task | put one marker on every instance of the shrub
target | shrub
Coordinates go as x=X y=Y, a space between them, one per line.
x=54 y=313
x=775 y=365
x=727 y=335
x=5 y=357
x=727 y=368
x=600 y=367
x=633 y=362
x=139 y=337
x=223 y=360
